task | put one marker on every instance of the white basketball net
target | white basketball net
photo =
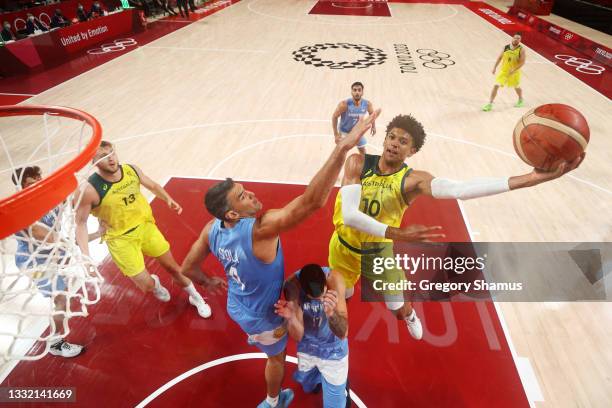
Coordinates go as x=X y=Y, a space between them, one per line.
x=41 y=267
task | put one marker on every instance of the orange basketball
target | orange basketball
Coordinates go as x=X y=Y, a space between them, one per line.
x=551 y=134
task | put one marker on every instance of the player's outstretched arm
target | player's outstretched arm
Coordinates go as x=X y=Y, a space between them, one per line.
x=352 y=217
x=420 y=182
x=197 y=254
x=158 y=190
x=274 y=222
x=335 y=305
x=290 y=310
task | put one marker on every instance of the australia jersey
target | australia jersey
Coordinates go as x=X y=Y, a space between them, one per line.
x=122 y=206
x=382 y=198
x=510 y=58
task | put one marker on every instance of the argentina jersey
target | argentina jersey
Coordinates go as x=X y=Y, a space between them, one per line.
x=253 y=286
x=350 y=117
x=319 y=340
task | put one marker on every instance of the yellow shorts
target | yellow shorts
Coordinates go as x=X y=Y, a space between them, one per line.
x=511 y=81
x=351 y=264
x=127 y=250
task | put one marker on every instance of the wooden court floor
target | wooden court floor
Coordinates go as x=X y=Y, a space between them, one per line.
x=225 y=96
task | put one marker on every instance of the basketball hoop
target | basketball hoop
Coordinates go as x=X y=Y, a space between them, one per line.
x=40 y=220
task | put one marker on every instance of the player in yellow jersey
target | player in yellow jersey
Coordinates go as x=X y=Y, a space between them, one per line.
x=113 y=196
x=375 y=192
x=512 y=59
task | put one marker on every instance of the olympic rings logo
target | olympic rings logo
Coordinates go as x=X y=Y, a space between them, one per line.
x=581 y=65
x=434 y=59
x=116 y=46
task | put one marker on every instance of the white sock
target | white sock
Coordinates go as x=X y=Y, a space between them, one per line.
x=192 y=291
x=411 y=317
x=272 y=401
x=156 y=281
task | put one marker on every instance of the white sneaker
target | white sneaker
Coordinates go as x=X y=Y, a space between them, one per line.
x=64 y=349
x=159 y=291
x=414 y=326
x=204 y=309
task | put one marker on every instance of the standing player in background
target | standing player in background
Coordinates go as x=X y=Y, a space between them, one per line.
x=316 y=315
x=512 y=59
x=113 y=196
x=349 y=112
x=249 y=248
x=375 y=193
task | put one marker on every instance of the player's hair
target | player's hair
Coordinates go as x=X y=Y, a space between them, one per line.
x=103 y=144
x=410 y=125
x=518 y=33
x=21 y=174
x=216 y=198
x=357 y=84
x=312 y=280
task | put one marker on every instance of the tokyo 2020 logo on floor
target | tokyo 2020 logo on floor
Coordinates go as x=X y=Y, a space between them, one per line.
x=311 y=55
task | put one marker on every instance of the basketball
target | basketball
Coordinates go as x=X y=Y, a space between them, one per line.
x=549 y=135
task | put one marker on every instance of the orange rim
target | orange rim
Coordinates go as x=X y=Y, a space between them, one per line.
x=25 y=207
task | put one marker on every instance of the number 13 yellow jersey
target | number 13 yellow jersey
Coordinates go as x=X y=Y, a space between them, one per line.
x=122 y=206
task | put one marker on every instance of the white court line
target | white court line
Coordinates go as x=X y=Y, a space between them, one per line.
x=206 y=49
x=242 y=122
x=116 y=59
x=236 y=357
x=271 y=140
x=318 y=21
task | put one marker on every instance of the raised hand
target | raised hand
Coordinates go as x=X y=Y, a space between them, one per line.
x=359 y=130
x=330 y=301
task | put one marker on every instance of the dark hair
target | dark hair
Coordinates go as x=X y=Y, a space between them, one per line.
x=312 y=280
x=21 y=174
x=410 y=125
x=216 y=198
x=518 y=33
x=357 y=84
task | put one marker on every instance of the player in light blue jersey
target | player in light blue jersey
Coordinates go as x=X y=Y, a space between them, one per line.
x=317 y=318
x=246 y=241
x=349 y=111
